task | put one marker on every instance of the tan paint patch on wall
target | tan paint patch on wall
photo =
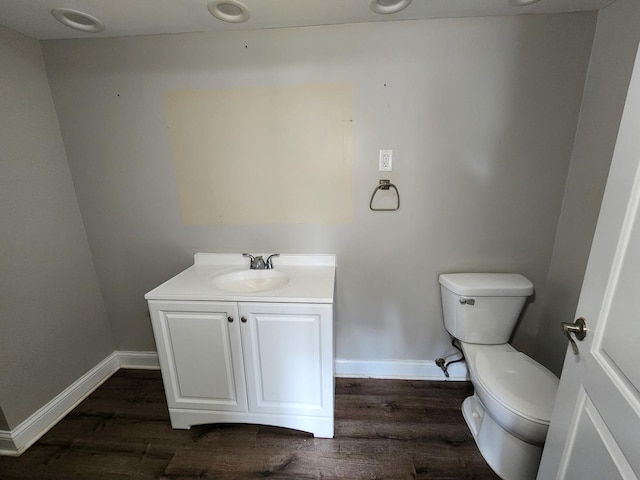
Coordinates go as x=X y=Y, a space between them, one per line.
x=264 y=155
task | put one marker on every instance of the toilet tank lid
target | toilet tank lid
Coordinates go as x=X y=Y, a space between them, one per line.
x=487 y=284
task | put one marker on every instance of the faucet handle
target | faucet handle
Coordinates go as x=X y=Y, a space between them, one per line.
x=251 y=257
x=269 y=263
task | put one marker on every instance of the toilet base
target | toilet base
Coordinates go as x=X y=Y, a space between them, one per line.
x=508 y=456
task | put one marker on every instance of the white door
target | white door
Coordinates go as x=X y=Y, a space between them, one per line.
x=595 y=428
x=288 y=358
x=200 y=354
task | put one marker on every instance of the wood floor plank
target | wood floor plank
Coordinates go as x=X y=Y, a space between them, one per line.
x=384 y=429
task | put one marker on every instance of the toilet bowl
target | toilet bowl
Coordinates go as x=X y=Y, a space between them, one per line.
x=518 y=391
x=511 y=407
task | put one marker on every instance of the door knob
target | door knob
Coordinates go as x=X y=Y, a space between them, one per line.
x=579 y=329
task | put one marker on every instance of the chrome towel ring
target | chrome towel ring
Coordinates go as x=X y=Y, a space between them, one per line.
x=385 y=185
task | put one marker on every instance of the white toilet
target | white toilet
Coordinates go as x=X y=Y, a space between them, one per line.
x=510 y=410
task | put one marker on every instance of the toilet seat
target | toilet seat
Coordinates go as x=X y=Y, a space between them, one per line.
x=518 y=383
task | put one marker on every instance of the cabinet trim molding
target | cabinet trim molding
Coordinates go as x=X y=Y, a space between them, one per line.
x=319 y=426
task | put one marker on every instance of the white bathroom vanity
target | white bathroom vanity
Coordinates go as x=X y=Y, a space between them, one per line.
x=248 y=346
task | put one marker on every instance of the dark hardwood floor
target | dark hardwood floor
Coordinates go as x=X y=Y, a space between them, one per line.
x=384 y=429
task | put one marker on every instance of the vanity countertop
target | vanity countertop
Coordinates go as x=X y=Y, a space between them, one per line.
x=311 y=280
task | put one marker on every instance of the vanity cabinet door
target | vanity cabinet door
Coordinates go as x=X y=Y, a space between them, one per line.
x=200 y=353
x=288 y=352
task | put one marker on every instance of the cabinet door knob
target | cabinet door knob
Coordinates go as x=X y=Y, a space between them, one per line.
x=243 y=319
x=230 y=319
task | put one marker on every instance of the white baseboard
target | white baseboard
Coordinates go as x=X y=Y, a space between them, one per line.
x=139 y=360
x=16 y=441
x=399 y=369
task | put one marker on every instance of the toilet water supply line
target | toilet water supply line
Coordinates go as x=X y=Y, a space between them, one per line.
x=440 y=362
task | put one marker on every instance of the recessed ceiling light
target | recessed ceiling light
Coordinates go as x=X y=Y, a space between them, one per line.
x=388 y=6
x=521 y=3
x=230 y=11
x=78 y=20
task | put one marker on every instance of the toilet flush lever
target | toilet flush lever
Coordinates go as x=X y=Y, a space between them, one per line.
x=579 y=329
x=467 y=301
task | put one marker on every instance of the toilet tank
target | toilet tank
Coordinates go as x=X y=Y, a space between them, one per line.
x=483 y=307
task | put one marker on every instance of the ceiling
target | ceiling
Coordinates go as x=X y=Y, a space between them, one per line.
x=146 y=17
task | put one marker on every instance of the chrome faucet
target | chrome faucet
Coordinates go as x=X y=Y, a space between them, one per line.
x=258 y=263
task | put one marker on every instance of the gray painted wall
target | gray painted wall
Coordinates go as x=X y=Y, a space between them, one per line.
x=614 y=49
x=481 y=114
x=4 y=425
x=53 y=324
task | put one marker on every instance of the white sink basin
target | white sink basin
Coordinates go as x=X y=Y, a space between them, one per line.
x=250 y=281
